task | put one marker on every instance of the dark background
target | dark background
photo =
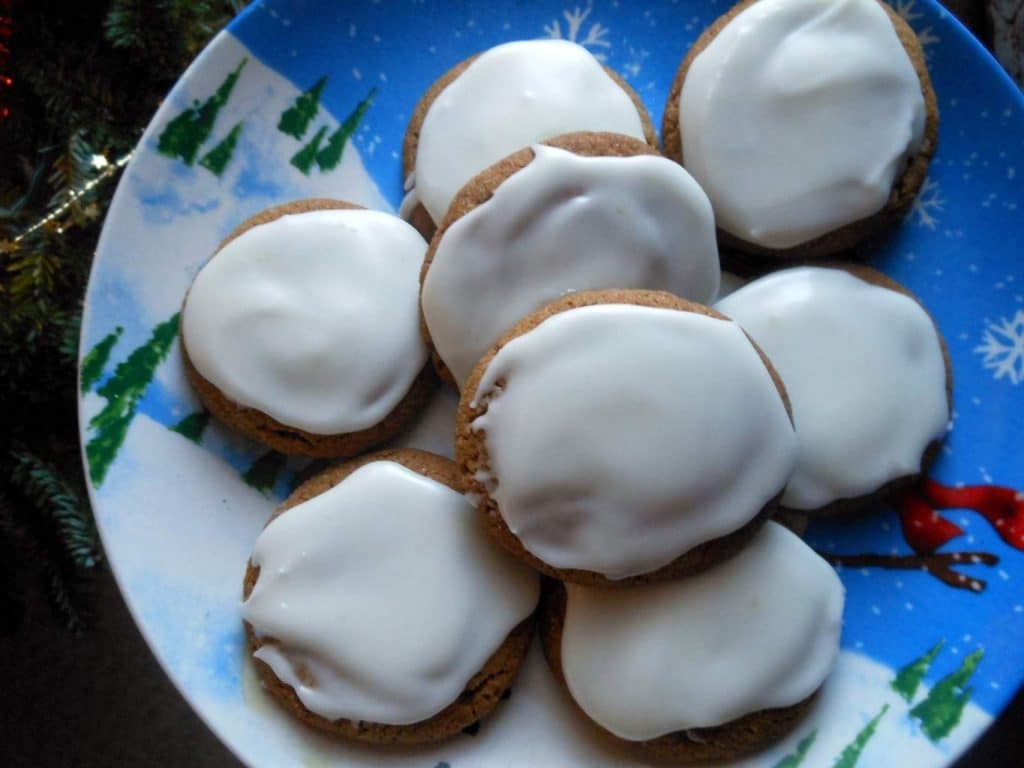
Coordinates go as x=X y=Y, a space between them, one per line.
x=100 y=699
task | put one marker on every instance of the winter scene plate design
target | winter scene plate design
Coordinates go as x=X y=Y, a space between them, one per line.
x=311 y=98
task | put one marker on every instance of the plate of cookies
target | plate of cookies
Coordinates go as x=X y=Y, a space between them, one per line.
x=548 y=384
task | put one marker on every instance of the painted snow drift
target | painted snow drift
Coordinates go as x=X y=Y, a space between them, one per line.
x=310 y=98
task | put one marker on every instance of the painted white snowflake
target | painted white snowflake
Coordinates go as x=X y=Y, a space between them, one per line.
x=927 y=37
x=596 y=37
x=928 y=204
x=635 y=64
x=906 y=10
x=1002 y=348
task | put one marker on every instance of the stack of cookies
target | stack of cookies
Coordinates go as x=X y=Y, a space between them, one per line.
x=626 y=431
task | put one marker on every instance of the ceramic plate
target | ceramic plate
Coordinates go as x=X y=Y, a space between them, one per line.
x=299 y=99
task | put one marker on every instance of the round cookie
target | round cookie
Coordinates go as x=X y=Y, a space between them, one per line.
x=871 y=411
x=624 y=437
x=237 y=318
x=707 y=668
x=542 y=67
x=582 y=211
x=877 y=206
x=502 y=595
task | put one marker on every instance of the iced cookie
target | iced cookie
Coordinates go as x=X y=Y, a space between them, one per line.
x=302 y=331
x=378 y=609
x=504 y=99
x=868 y=376
x=706 y=668
x=810 y=124
x=583 y=211
x=619 y=437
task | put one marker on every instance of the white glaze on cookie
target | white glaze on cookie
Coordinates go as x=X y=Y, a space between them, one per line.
x=758 y=631
x=312 y=318
x=566 y=223
x=510 y=97
x=384 y=596
x=798 y=116
x=864 y=371
x=619 y=437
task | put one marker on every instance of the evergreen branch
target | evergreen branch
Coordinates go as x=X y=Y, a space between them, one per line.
x=73 y=196
x=53 y=496
x=69 y=338
x=73 y=168
x=88 y=78
x=124 y=24
x=63 y=598
x=35 y=183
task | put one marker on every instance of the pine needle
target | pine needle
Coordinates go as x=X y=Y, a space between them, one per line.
x=54 y=497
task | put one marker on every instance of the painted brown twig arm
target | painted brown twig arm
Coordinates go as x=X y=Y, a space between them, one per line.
x=940 y=565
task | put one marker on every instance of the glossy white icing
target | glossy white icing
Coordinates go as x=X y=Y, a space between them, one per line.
x=619 y=436
x=566 y=223
x=508 y=98
x=864 y=371
x=798 y=116
x=384 y=595
x=312 y=318
x=758 y=631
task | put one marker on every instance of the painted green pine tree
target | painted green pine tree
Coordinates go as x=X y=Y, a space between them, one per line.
x=217 y=159
x=193 y=426
x=909 y=677
x=123 y=391
x=305 y=157
x=263 y=473
x=296 y=119
x=851 y=753
x=329 y=157
x=184 y=135
x=940 y=712
x=96 y=359
x=795 y=758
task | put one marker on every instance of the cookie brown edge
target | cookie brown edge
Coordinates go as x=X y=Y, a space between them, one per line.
x=849 y=507
x=471 y=451
x=482 y=187
x=904 y=189
x=265 y=429
x=484 y=690
x=419 y=217
x=730 y=740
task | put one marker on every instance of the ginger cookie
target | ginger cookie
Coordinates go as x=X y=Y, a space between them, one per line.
x=646 y=665
x=501 y=100
x=376 y=607
x=582 y=211
x=622 y=437
x=804 y=155
x=302 y=330
x=868 y=375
